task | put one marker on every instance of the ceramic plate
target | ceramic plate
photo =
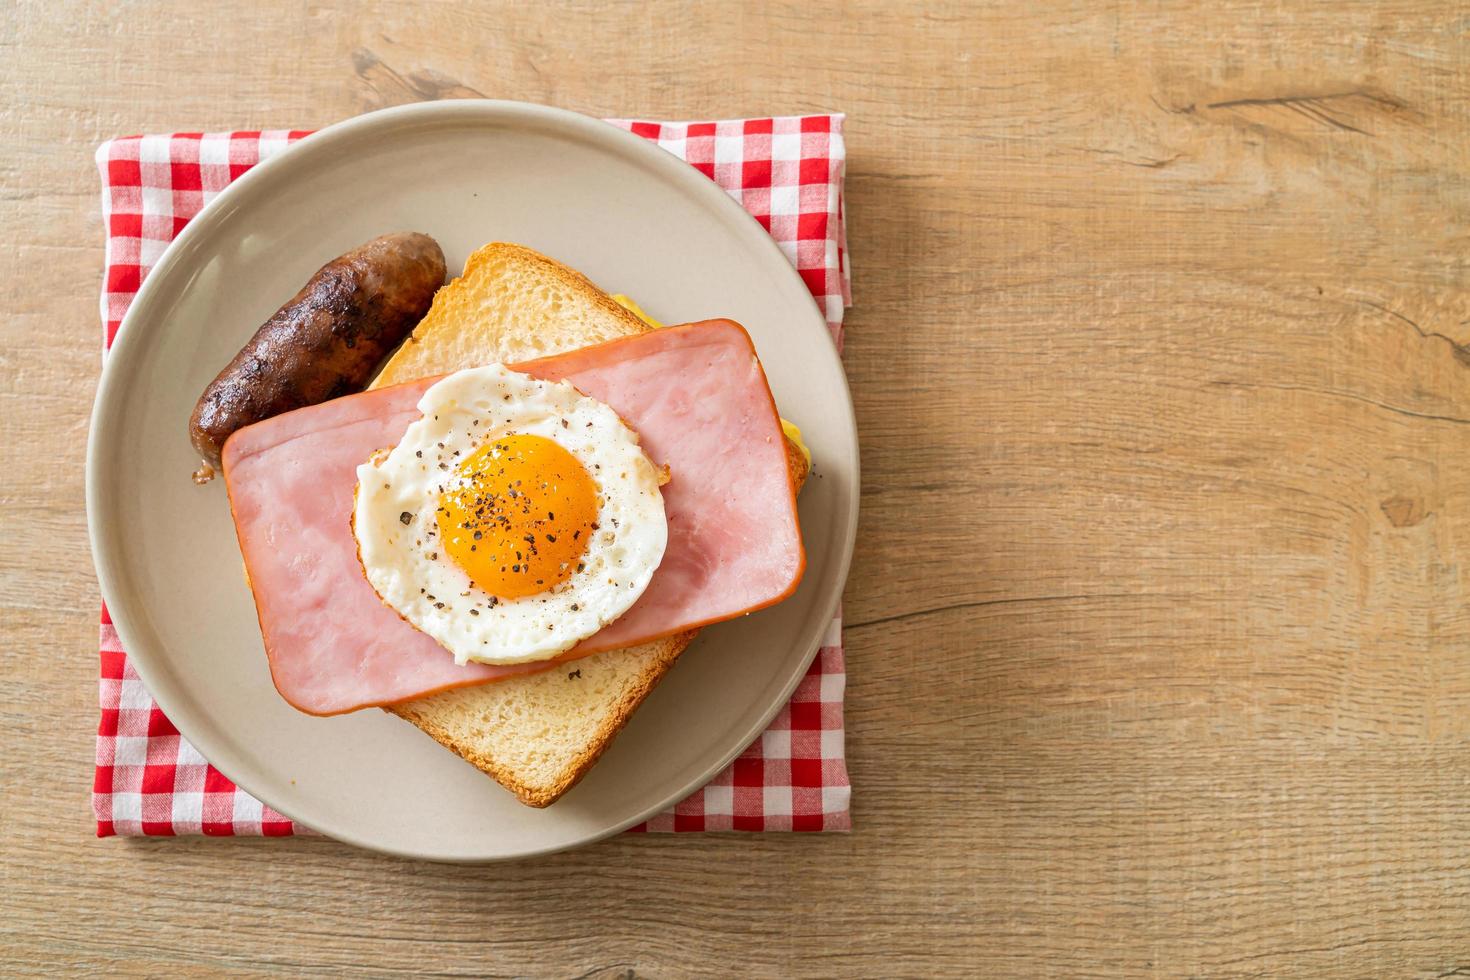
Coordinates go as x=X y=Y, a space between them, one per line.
x=631 y=217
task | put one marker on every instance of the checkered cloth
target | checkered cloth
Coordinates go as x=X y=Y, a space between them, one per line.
x=787 y=172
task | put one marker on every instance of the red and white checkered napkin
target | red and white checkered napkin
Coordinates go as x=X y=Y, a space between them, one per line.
x=787 y=172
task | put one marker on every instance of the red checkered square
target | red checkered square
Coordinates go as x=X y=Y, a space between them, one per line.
x=806 y=772
x=124 y=278
x=755 y=175
x=113 y=660
x=748 y=771
x=158 y=725
x=123 y=171
x=812 y=226
x=185 y=175
x=158 y=778
x=125 y=226
x=808 y=815
x=813 y=171
x=215 y=782
x=786 y=171
x=806 y=715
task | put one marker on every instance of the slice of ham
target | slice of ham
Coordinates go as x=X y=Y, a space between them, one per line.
x=698 y=399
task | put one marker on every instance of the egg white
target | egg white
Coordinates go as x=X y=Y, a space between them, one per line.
x=406 y=566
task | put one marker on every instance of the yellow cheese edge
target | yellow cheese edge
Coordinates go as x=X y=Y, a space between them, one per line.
x=792 y=432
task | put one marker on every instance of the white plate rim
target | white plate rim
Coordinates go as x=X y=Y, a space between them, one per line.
x=119 y=362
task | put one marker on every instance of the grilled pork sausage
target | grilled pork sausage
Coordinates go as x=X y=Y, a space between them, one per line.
x=327 y=341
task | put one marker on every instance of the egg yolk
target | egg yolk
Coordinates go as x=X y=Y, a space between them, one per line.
x=520 y=517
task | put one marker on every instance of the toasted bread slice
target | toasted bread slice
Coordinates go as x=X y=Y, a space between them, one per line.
x=535 y=734
x=511 y=304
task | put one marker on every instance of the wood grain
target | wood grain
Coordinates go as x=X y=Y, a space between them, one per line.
x=1160 y=642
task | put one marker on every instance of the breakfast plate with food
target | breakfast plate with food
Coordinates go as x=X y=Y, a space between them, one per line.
x=384 y=439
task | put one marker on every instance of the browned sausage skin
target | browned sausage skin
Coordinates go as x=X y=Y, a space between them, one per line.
x=327 y=341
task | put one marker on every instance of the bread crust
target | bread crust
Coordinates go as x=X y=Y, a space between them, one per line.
x=544 y=796
x=398 y=371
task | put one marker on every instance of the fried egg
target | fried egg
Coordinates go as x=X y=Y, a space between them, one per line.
x=514 y=518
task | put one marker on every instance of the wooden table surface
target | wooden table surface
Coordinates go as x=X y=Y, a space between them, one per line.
x=1159 y=640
